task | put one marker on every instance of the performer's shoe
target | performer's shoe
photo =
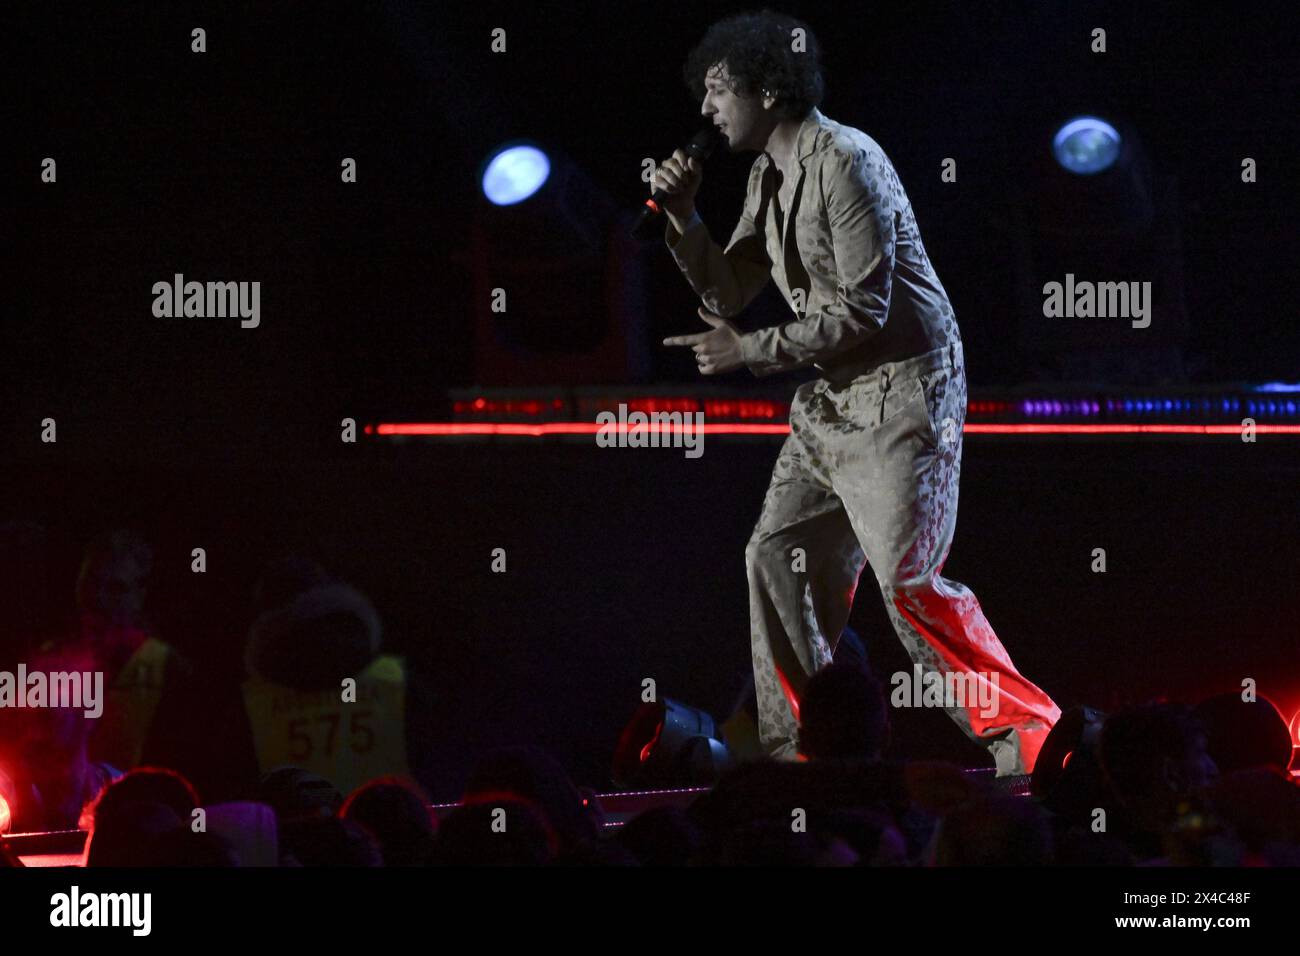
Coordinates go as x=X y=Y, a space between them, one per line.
x=1016 y=753
x=788 y=752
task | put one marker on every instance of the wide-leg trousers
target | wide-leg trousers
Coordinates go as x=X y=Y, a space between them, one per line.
x=869 y=475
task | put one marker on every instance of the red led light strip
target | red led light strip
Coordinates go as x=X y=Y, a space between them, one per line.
x=558 y=428
x=740 y=428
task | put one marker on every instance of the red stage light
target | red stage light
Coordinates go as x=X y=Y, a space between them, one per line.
x=649 y=748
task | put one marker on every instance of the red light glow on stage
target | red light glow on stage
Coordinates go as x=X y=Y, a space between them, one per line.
x=649 y=748
x=567 y=428
x=520 y=429
x=1027 y=429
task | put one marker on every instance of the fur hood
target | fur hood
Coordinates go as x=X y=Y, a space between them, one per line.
x=325 y=634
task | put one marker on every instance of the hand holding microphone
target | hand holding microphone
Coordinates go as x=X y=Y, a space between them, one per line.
x=678 y=178
x=675 y=183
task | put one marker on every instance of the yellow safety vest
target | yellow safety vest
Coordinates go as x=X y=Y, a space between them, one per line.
x=130 y=704
x=345 y=742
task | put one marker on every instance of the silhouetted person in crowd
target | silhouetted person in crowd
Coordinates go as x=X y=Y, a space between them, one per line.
x=1242 y=734
x=249 y=828
x=183 y=847
x=148 y=715
x=146 y=818
x=31 y=615
x=843 y=715
x=995 y=829
x=872 y=833
x=502 y=830
x=127 y=833
x=1262 y=806
x=150 y=785
x=397 y=814
x=533 y=774
x=855 y=800
x=312 y=633
x=1155 y=762
x=1069 y=781
x=775 y=843
x=329 y=841
x=297 y=794
x=662 y=836
x=50 y=776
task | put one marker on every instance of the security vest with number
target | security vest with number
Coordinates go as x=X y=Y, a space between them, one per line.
x=131 y=703
x=347 y=743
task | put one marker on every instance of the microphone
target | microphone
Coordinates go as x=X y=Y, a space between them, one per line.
x=648 y=221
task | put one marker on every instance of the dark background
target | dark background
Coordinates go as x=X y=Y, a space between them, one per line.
x=225 y=166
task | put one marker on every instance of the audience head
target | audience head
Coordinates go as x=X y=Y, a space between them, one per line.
x=1262 y=806
x=501 y=830
x=129 y=833
x=183 y=847
x=329 y=841
x=296 y=794
x=53 y=761
x=871 y=832
x=534 y=775
x=775 y=843
x=1241 y=734
x=1153 y=758
x=995 y=829
x=249 y=829
x=150 y=785
x=842 y=715
x=113 y=581
x=662 y=836
x=397 y=814
x=45 y=750
x=327 y=630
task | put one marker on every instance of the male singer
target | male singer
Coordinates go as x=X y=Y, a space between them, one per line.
x=869 y=472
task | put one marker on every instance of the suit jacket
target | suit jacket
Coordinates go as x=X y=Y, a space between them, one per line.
x=850 y=263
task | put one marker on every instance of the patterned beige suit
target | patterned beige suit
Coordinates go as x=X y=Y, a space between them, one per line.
x=869 y=473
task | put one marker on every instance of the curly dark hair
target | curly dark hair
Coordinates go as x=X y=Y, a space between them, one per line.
x=758 y=51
